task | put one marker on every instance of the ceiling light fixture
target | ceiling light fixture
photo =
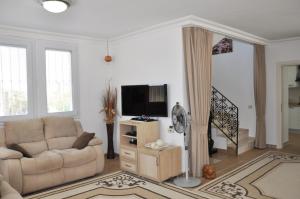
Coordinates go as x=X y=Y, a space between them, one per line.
x=55 y=6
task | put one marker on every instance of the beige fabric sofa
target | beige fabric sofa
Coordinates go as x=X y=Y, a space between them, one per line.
x=7 y=192
x=49 y=140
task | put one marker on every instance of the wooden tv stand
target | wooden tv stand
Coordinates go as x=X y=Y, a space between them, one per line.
x=149 y=163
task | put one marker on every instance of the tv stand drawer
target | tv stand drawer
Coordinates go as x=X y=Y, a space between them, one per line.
x=129 y=154
x=128 y=166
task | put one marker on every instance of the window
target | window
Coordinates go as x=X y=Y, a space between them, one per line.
x=59 y=81
x=37 y=78
x=13 y=81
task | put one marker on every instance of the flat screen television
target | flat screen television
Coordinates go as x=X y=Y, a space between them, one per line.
x=151 y=101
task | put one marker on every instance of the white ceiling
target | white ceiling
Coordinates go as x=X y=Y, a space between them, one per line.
x=270 y=19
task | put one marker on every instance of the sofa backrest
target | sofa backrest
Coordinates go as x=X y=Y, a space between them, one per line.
x=60 y=132
x=27 y=133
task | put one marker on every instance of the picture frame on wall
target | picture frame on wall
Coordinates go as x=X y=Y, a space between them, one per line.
x=223 y=46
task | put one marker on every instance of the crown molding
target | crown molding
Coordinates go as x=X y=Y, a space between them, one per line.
x=40 y=34
x=192 y=20
x=156 y=27
x=226 y=30
x=284 y=40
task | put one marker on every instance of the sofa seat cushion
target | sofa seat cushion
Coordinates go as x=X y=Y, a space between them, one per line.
x=42 y=163
x=75 y=157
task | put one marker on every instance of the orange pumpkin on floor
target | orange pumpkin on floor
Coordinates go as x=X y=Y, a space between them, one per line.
x=209 y=172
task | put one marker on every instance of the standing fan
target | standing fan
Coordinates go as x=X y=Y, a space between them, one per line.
x=181 y=124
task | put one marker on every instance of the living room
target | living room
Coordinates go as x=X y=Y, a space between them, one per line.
x=63 y=63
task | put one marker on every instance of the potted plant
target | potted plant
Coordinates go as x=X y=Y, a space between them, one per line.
x=109 y=103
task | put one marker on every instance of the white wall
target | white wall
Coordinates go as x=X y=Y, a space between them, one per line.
x=153 y=58
x=156 y=57
x=232 y=75
x=93 y=73
x=277 y=52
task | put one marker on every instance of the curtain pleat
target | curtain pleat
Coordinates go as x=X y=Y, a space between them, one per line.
x=198 y=60
x=260 y=95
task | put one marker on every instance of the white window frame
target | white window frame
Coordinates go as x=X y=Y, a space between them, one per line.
x=23 y=43
x=41 y=97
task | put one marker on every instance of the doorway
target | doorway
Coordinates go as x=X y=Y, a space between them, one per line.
x=290 y=86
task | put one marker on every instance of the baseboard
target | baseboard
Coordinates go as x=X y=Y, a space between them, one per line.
x=285 y=144
x=296 y=131
x=271 y=146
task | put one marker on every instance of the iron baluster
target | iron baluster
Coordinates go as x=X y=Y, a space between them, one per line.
x=225 y=116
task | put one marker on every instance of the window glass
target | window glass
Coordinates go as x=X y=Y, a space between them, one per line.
x=13 y=81
x=59 y=81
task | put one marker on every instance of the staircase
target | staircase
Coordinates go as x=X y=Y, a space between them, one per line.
x=224 y=126
x=245 y=142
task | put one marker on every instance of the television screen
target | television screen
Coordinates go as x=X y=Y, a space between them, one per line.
x=145 y=100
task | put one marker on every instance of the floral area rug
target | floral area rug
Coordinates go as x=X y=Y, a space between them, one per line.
x=272 y=175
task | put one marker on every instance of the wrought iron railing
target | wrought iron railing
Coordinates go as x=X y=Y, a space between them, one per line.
x=225 y=116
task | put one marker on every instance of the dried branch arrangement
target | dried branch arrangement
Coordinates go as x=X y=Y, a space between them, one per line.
x=109 y=103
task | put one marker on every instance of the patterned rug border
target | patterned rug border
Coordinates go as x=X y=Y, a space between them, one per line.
x=95 y=179
x=247 y=164
x=70 y=185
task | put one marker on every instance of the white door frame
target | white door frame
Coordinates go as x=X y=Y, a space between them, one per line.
x=279 y=112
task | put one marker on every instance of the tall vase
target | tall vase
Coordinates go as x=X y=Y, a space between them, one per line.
x=110 y=141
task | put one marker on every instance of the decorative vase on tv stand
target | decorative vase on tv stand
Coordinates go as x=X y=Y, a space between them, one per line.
x=109 y=102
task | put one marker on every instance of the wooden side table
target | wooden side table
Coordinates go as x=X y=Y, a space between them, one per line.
x=159 y=165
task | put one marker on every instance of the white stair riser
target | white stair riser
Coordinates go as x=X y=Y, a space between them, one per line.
x=220 y=141
x=242 y=134
x=246 y=147
x=246 y=143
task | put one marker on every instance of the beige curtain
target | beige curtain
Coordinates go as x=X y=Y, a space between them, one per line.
x=198 y=59
x=260 y=95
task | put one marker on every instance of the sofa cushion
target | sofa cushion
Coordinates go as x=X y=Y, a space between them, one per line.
x=59 y=127
x=83 y=140
x=60 y=132
x=35 y=148
x=6 y=154
x=95 y=141
x=42 y=163
x=17 y=147
x=75 y=157
x=27 y=133
x=78 y=128
x=61 y=143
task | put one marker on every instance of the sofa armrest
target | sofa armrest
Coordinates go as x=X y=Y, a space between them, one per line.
x=95 y=141
x=6 y=154
x=7 y=192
